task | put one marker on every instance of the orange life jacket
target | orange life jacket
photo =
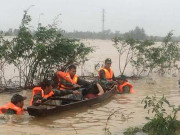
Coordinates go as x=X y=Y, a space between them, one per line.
x=39 y=89
x=63 y=75
x=68 y=78
x=13 y=107
x=120 y=87
x=108 y=73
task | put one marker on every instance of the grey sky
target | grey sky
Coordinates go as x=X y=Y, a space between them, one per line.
x=157 y=17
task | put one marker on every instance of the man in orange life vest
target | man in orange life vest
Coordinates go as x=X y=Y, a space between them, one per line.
x=15 y=106
x=123 y=85
x=106 y=74
x=45 y=91
x=70 y=80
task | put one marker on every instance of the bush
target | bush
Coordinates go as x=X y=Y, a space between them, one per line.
x=39 y=54
x=162 y=123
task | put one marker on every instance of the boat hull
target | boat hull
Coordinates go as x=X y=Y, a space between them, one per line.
x=44 y=110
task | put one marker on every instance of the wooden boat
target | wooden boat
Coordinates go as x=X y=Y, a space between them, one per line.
x=49 y=109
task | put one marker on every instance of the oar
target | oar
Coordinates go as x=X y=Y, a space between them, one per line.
x=113 y=84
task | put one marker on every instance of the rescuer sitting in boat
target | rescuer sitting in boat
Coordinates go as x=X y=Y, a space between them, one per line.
x=15 y=106
x=106 y=75
x=45 y=91
x=70 y=80
x=123 y=85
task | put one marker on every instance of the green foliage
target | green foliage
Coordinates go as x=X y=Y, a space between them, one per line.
x=145 y=56
x=38 y=54
x=133 y=51
x=170 y=54
x=125 y=49
x=132 y=131
x=3 y=56
x=162 y=123
x=3 y=48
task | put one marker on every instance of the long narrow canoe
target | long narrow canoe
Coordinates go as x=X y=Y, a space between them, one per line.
x=49 y=109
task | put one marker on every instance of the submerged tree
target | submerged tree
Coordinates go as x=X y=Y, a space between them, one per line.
x=3 y=56
x=170 y=55
x=133 y=52
x=40 y=54
x=126 y=51
x=147 y=57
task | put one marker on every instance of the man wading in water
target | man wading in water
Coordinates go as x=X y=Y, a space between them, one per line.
x=123 y=85
x=15 y=106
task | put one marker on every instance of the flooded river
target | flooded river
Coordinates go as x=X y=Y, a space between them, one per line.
x=92 y=120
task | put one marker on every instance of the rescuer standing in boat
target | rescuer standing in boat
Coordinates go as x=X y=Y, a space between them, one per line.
x=106 y=74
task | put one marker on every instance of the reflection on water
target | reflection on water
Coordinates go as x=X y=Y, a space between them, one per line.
x=92 y=120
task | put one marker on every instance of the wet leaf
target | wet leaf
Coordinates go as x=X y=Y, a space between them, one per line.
x=147 y=118
x=145 y=106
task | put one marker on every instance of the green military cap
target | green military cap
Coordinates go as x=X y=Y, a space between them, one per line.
x=121 y=77
x=108 y=60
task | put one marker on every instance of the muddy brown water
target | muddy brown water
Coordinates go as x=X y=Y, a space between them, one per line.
x=92 y=120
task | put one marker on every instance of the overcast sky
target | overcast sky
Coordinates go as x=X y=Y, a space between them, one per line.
x=157 y=17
